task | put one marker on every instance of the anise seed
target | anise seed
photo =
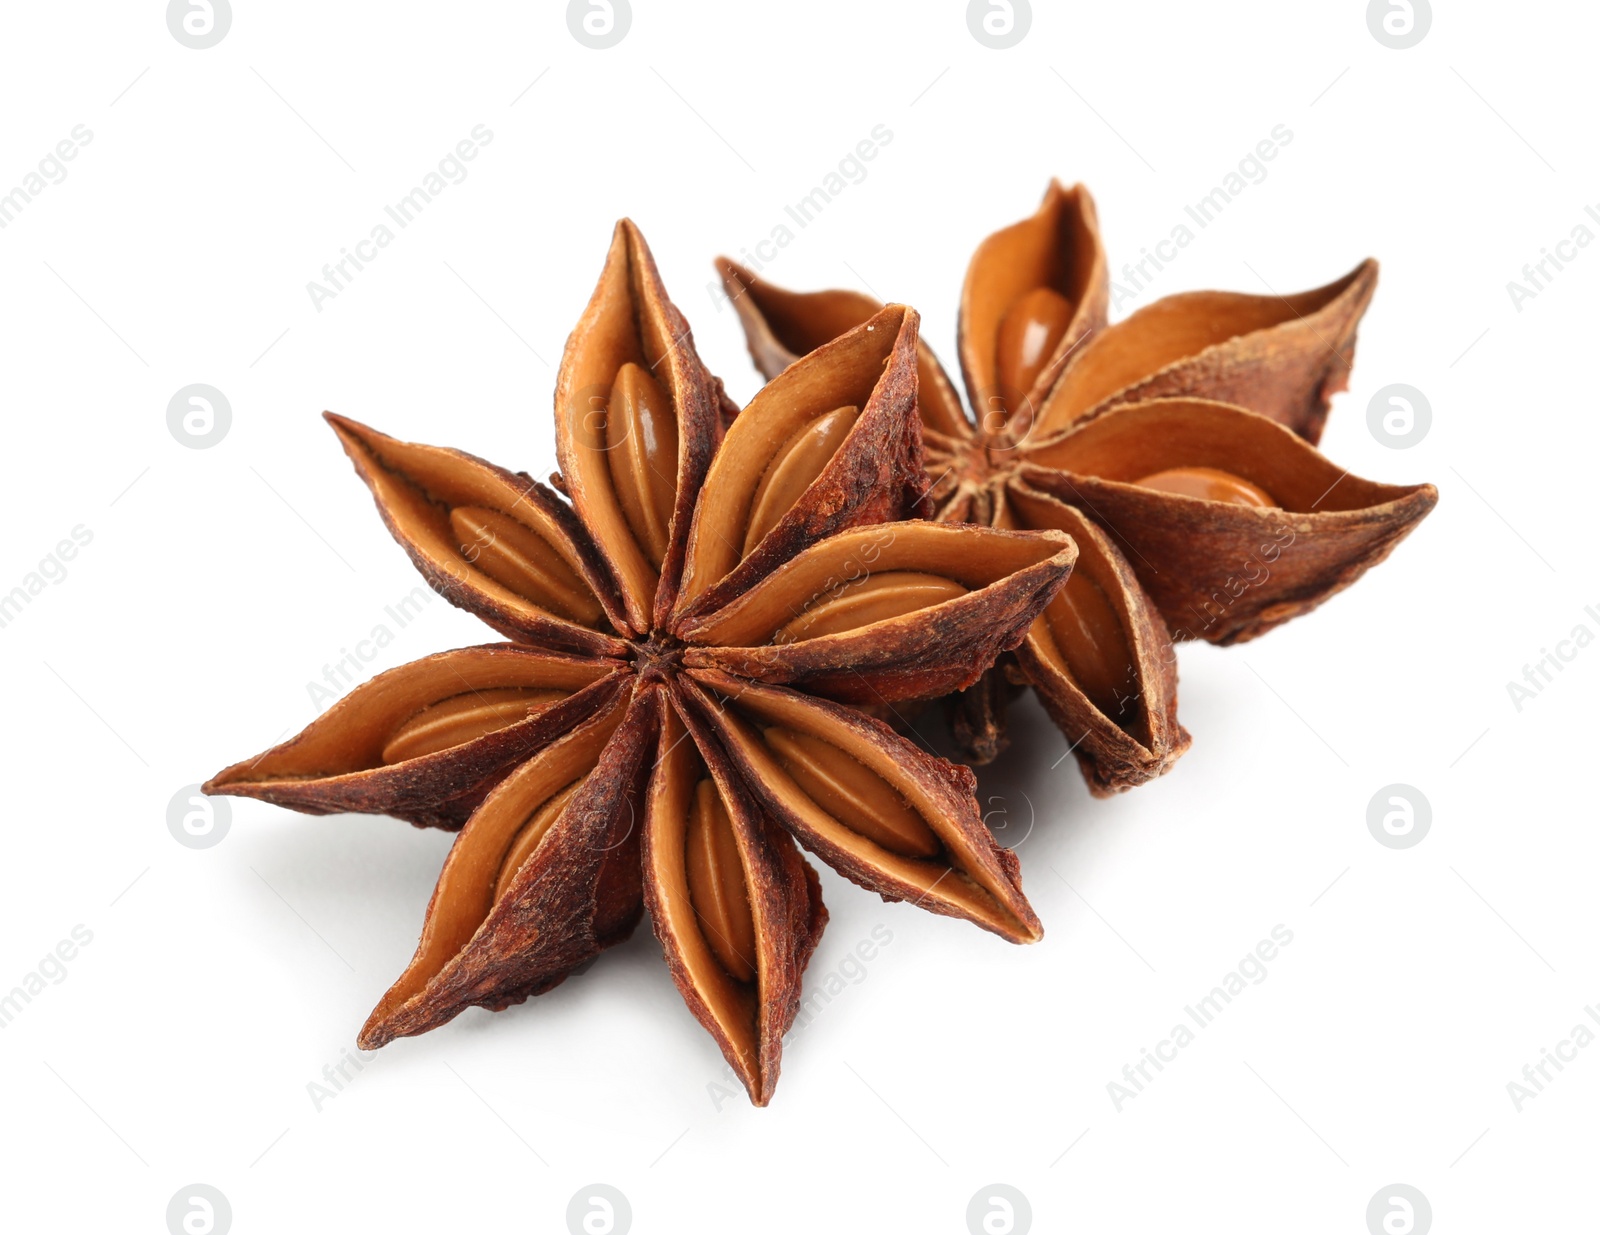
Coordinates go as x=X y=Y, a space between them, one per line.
x=1029 y=334
x=1209 y=484
x=534 y=831
x=642 y=446
x=450 y=722
x=799 y=461
x=889 y=594
x=1089 y=637
x=717 y=886
x=518 y=558
x=852 y=793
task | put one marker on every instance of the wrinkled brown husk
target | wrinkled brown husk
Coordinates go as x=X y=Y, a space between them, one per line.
x=1221 y=572
x=334 y=764
x=1283 y=357
x=414 y=485
x=785 y=895
x=578 y=894
x=630 y=318
x=982 y=883
x=874 y=477
x=922 y=655
x=1113 y=756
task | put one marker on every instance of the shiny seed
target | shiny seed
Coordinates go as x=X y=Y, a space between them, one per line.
x=518 y=558
x=891 y=594
x=798 y=462
x=1029 y=334
x=1208 y=484
x=450 y=722
x=1089 y=635
x=527 y=840
x=853 y=793
x=642 y=448
x=717 y=887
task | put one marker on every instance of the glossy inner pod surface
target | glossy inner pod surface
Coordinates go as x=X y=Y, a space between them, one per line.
x=808 y=431
x=1087 y=642
x=1032 y=291
x=874 y=598
x=699 y=853
x=868 y=575
x=635 y=421
x=858 y=804
x=1101 y=657
x=1208 y=484
x=460 y=718
x=1129 y=355
x=1196 y=448
x=523 y=562
x=501 y=838
x=642 y=450
x=407 y=713
x=469 y=522
x=718 y=889
x=794 y=466
x=1030 y=332
x=852 y=793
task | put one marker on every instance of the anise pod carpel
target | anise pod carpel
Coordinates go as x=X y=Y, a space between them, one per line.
x=1048 y=383
x=665 y=727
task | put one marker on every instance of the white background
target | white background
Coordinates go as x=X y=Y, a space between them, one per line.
x=219 y=582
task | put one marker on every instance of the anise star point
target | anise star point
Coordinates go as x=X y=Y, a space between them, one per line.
x=1173 y=446
x=689 y=632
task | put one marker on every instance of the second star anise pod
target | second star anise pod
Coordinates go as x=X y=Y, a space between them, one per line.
x=674 y=710
x=1172 y=446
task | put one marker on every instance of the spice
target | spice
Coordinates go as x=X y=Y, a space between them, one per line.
x=1175 y=447
x=673 y=712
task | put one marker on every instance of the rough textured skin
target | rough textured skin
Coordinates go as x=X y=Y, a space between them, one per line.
x=977 y=716
x=697 y=400
x=1227 y=573
x=1286 y=357
x=1111 y=754
x=864 y=483
x=1287 y=373
x=494 y=935
x=788 y=897
x=579 y=894
x=952 y=785
x=458 y=587
x=437 y=791
x=920 y=656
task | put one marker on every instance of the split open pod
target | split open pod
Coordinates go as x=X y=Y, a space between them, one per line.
x=1173 y=446
x=673 y=720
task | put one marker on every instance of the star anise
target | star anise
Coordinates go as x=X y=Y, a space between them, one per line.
x=674 y=709
x=1172 y=446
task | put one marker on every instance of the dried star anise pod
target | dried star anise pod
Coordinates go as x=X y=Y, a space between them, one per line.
x=1172 y=446
x=674 y=710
